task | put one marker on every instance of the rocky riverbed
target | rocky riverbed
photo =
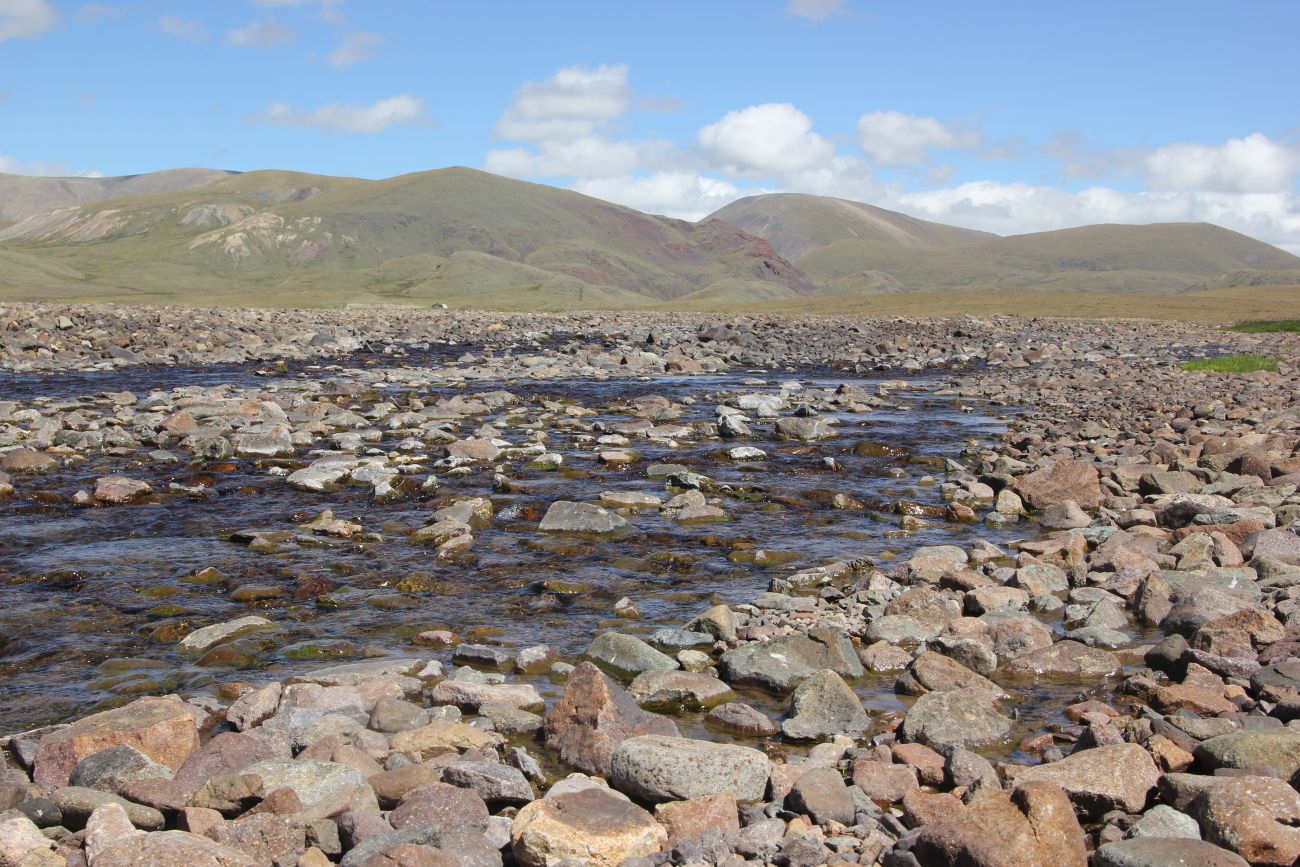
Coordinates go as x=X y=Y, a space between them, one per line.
x=419 y=587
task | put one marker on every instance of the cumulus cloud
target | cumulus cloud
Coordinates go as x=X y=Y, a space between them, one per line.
x=26 y=19
x=684 y=195
x=183 y=28
x=572 y=103
x=265 y=33
x=817 y=10
x=346 y=118
x=356 y=47
x=775 y=137
x=1254 y=164
x=897 y=138
x=329 y=10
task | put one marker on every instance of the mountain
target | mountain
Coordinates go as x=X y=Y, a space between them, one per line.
x=22 y=196
x=795 y=224
x=853 y=248
x=452 y=235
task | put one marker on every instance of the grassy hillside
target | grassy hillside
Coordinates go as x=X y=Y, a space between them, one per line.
x=454 y=236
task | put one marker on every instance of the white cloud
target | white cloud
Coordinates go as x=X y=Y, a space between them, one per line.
x=572 y=103
x=340 y=117
x=356 y=47
x=896 y=138
x=328 y=10
x=44 y=169
x=266 y=33
x=1254 y=164
x=182 y=28
x=684 y=195
x=775 y=137
x=817 y=10
x=26 y=19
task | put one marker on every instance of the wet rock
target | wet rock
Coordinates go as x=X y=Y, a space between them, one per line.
x=934 y=672
x=568 y=517
x=209 y=636
x=115 y=490
x=1098 y=780
x=592 y=717
x=626 y=655
x=591 y=825
x=823 y=706
x=782 y=663
x=655 y=768
x=741 y=719
x=957 y=717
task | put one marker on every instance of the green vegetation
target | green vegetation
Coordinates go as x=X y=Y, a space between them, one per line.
x=1232 y=363
x=1267 y=326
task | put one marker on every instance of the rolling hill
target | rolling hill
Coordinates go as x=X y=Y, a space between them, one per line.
x=452 y=235
x=471 y=239
x=22 y=196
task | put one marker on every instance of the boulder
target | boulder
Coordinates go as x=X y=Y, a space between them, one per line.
x=627 y=655
x=782 y=663
x=161 y=728
x=956 y=717
x=1164 y=852
x=1033 y=826
x=1276 y=748
x=1101 y=779
x=568 y=517
x=1063 y=481
x=590 y=825
x=823 y=706
x=654 y=768
x=592 y=717
x=934 y=672
x=678 y=689
x=1253 y=816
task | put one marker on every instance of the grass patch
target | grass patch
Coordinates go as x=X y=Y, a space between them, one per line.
x=1232 y=363
x=1267 y=326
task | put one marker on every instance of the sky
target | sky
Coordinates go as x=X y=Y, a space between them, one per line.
x=1009 y=117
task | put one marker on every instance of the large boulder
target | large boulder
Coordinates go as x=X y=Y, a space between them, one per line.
x=593 y=716
x=1277 y=748
x=934 y=672
x=1101 y=779
x=161 y=728
x=823 y=706
x=1253 y=816
x=654 y=769
x=955 y=718
x=1033 y=826
x=587 y=824
x=783 y=663
x=1060 y=482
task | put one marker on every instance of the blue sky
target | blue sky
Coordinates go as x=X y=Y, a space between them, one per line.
x=1007 y=116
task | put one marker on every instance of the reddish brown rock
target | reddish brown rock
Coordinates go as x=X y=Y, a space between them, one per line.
x=442 y=806
x=1117 y=777
x=886 y=783
x=1252 y=816
x=161 y=728
x=593 y=717
x=1062 y=481
x=1034 y=826
x=687 y=819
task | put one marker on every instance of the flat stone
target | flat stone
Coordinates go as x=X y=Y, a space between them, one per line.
x=626 y=655
x=934 y=672
x=686 y=820
x=678 y=689
x=569 y=517
x=957 y=717
x=821 y=794
x=161 y=728
x=1277 y=748
x=782 y=663
x=1059 y=482
x=324 y=788
x=1253 y=816
x=1101 y=779
x=209 y=636
x=1067 y=659
x=499 y=785
x=1033 y=826
x=742 y=719
x=441 y=806
x=592 y=825
x=1165 y=852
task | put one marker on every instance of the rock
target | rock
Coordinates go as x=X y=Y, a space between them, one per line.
x=391 y=786
x=209 y=636
x=782 y=663
x=25 y=460
x=441 y=737
x=655 y=768
x=1066 y=659
x=19 y=837
x=592 y=717
x=686 y=820
x=1252 y=816
x=1062 y=481
x=678 y=689
x=268 y=839
x=111 y=842
x=886 y=783
x=592 y=825
x=499 y=785
x=392 y=715
x=741 y=719
x=568 y=517
x=823 y=706
x=119 y=489
x=116 y=766
x=626 y=655
x=1065 y=515
x=820 y=793
x=1101 y=779
x=957 y=717
x=1164 y=852
x=470 y=696
x=254 y=707
x=934 y=672
x=161 y=728
x=441 y=806
x=323 y=788
x=803 y=428
x=1163 y=820
x=719 y=621
x=1034 y=826
x=1277 y=748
